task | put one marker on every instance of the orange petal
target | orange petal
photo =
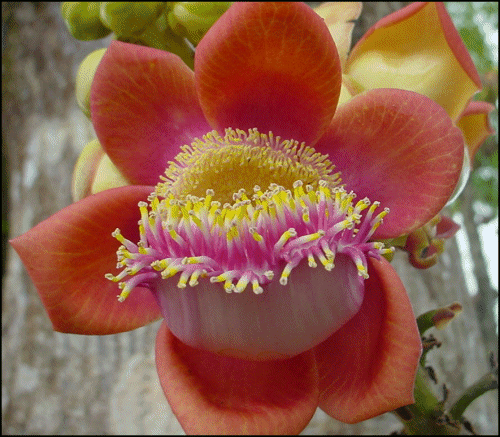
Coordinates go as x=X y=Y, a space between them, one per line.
x=368 y=366
x=144 y=108
x=68 y=255
x=475 y=125
x=418 y=49
x=212 y=394
x=397 y=147
x=339 y=17
x=270 y=66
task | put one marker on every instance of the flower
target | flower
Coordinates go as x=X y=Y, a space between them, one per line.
x=434 y=63
x=345 y=334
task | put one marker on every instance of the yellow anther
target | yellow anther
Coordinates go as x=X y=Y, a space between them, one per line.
x=132 y=270
x=256 y=236
x=142 y=231
x=344 y=224
x=116 y=278
x=311 y=262
x=284 y=238
x=313 y=196
x=329 y=253
x=175 y=236
x=379 y=219
x=285 y=274
x=327 y=263
x=117 y=234
x=373 y=207
x=257 y=289
x=220 y=278
x=169 y=272
x=193 y=217
x=269 y=274
x=361 y=269
x=143 y=206
x=242 y=284
x=159 y=265
x=362 y=205
x=125 y=254
x=125 y=292
x=311 y=237
x=387 y=250
x=232 y=233
x=183 y=280
x=194 y=277
x=155 y=203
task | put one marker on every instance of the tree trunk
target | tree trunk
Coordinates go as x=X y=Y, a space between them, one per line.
x=486 y=294
x=56 y=383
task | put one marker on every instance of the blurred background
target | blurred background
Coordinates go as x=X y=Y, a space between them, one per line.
x=54 y=383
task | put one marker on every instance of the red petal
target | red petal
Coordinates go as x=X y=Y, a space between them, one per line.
x=144 y=108
x=270 y=66
x=68 y=254
x=368 y=366
x=397 y=147
x=212 y=394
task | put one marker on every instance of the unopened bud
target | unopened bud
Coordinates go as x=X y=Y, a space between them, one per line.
x=82 y=20
x=84 y=78
x=130 y=18
x=444 y=316
x=193 y=19
x=438 y=318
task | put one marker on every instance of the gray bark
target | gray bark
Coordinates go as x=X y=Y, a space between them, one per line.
x=56 y=383
x=487 y=295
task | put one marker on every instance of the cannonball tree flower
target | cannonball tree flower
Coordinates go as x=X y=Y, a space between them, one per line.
x=257 y=249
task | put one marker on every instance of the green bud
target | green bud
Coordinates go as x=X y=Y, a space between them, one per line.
x=130 y=18
x=160 y=36
x=82 y=20
x=193 y=19
x=84 y=78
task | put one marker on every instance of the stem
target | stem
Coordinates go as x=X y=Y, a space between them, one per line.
x=426 y=416
x=486 y=383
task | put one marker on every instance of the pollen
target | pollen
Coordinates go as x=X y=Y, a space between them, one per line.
x=241 y=159
x=204 y=222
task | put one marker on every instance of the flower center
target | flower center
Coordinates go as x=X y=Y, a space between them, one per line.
x=256 y=238
x=240 y=161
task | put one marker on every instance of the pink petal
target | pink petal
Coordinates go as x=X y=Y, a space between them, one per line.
x=144 y=108
x=270 y=66
x=68 y=255
x=238 y=324
x=211 y=394
x=475 y=125
x=418 y=49
x=397 y=147
x=368 y=367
